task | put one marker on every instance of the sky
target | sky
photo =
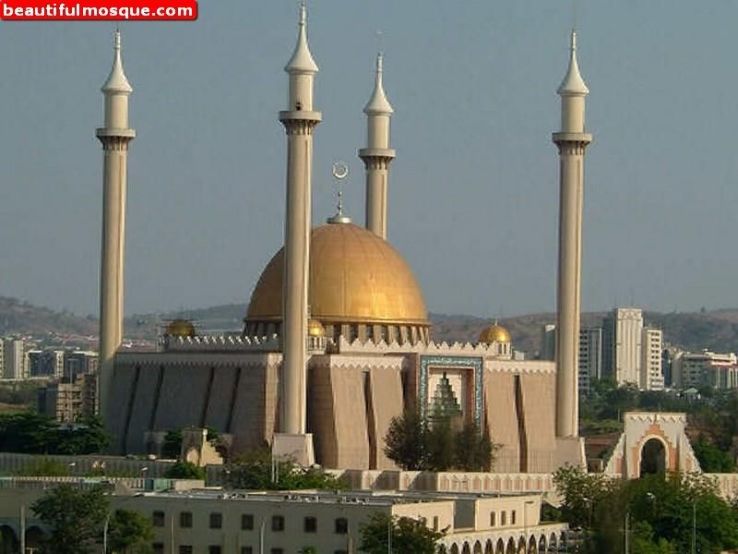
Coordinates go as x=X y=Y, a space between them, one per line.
x=473 y=190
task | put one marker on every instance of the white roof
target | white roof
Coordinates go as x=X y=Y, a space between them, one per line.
x=573 y=84
x=117 y=80
x=378 y=103
x=302 y=60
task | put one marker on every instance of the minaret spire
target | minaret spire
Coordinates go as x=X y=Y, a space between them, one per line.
x=115 y=137
x=299 y=121
x=572 y=142
x=378 y=155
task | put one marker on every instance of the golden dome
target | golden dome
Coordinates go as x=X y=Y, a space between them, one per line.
x=315 y=328
x=355 y=277
x=180 y=328
x=495 y=333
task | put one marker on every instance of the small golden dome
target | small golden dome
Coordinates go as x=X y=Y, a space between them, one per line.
x=315 y=328
x=356 y=277
x=495 y=333
x=180 y=328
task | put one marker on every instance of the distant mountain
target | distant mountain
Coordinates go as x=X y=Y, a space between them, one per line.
x=716 y=330
x=17 y=316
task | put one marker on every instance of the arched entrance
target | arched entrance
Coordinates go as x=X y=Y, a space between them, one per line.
x=653 y=458
x=8 y=540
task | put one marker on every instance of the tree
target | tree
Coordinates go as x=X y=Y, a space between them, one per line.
x=711 y=458
x=130 y=533
x=256 y=470
x=438 y=444
x=172 y=447
x=474 y=450
x=406 y=440
x=75 y=516
x=661 y=510
x=32 y=433
x=185 y=470
x=406 y=535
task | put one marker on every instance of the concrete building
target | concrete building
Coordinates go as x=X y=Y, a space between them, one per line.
x=548 y=342
x=79 y=362
x=69 y=401
x=632 y=352
x=698 y=369
x=14 y=359
x=46 y=363
x=327 y=381
x=590 y=357
x=652 y=347
x=242 y=522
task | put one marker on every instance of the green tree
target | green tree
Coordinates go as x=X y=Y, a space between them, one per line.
x=256 y=470
x=75 y=516
x=172 y=447
x=185 y=470
x=440 y=446
x=712 y=459
x=405 y=443
x=87 y=436
x=406 y=535
x=660 y=508
x=130 y=533
x=474 y=450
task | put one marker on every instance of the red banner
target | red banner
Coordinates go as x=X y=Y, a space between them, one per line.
x=99 y=10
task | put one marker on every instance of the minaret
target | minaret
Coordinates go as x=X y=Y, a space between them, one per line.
x=299 y=122
x=572 y=142
x=115 y=136
x=377 y=155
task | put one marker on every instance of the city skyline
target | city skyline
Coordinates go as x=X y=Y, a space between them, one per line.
x=477 y=109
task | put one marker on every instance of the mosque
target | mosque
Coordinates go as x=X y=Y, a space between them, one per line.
x=337 y=341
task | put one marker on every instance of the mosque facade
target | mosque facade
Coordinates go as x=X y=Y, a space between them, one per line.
x=336 y=340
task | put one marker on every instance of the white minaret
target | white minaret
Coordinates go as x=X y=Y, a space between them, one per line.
x=115 y=136
x=299 y=122
x=377 y=155
x=572 y=141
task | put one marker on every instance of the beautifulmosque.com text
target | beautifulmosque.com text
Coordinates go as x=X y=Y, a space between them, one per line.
x=122 y=10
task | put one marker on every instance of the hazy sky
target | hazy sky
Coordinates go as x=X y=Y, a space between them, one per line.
x=474 y=188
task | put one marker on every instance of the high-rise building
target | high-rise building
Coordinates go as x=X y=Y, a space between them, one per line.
x=590 y=357
x=548 y=342
x=45 y=363
x=14 y=362
x=652 y=376
x=631 y=352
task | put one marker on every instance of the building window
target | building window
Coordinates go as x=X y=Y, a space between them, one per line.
x=158 y=547
x=216 y=520
x=311 y=525
x=503 y=519
x=435 y=523
x=247 y=522
x=341 y=526
x=247 y=550
x=492 y=519
x=185 y=549
x=215 y=549
x=512 y=517
x=185 y=519
x=277 y=523
x=157 y=519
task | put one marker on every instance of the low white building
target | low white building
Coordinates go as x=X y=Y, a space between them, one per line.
x=698 y=369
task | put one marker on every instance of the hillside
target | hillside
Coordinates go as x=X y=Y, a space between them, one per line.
x=716 y=330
